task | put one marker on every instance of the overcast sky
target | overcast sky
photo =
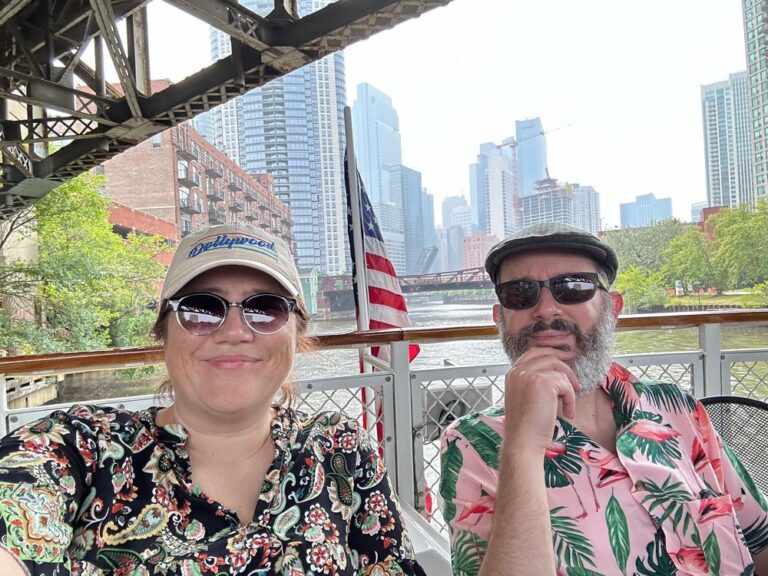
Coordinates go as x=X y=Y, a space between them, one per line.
x=616 y=83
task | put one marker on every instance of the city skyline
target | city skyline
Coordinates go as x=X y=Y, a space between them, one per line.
x=627 y=123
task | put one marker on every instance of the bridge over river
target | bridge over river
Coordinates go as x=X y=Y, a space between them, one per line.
x=337 y=290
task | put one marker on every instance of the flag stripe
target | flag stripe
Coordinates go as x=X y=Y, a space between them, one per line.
x=379 y=263
x=378 y=279
x=387 y=317
x=387 y=298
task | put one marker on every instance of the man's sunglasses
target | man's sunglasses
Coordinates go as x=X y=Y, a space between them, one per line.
x=565 y=288
x=203 y=313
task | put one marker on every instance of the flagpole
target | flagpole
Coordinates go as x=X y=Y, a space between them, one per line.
x=367 y=395
x=357 y=227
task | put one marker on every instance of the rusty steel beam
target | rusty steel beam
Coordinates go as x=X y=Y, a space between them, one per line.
x=110 y=121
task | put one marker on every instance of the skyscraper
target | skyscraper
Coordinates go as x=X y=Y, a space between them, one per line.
x=379 y=159
x=413 y=217
x=755 y=38
x=531 y=155
x=552 y=201
x=645 y=210
x=727 y=150
x=430 y=235
x=449 y=204
x=586 y=208
x=478 y=186
x=293 y=129
x=493 y=189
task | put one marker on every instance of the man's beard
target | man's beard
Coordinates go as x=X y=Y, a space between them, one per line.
x=594 y=349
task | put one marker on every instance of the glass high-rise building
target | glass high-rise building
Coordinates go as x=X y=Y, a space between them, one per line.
x=645 y=210
x=293 y=129
x=494 y=202
x=756 y=38
x=531 y=155
x=375 y=126
x=586 y=208
x=727 y=146
x=413 y=218
x=552 y=201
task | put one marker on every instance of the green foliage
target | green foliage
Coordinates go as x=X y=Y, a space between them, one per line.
x=756 y=297
x=643 y=247
x=690 y=257
x=742 y=245
x=642 y=289
x=92 y=288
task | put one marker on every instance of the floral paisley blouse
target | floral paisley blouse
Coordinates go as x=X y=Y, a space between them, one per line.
x=98 y=491
x=673 y=500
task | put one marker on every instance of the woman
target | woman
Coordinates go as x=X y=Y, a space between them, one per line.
x=225 y=480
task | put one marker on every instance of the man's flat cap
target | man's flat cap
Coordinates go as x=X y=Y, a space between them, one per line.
x=553 y=236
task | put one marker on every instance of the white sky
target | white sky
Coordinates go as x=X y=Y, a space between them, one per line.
x=617 y=84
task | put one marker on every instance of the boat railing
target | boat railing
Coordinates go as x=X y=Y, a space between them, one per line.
x=405 y=409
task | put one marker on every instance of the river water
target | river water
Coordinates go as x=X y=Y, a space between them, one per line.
x=473 y=352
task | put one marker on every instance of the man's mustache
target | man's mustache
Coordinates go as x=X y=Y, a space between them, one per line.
x=557 y=324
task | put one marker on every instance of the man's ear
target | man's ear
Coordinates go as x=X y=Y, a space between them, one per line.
x=618 y=303
x=497 y=318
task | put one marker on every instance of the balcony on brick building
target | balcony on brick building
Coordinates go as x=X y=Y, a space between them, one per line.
x=235 y=183
x=187 y=149
x=213 y=168
x=236 y=205
x=188 y=176
x=252 y=215
x=215 y=194
x=190 y=204
x=216 y=215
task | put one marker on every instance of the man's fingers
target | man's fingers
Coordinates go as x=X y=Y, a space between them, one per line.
x=543 y=360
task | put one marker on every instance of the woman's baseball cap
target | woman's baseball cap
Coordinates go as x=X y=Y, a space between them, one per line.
x=234 y=244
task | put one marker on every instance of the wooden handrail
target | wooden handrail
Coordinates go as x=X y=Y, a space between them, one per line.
x=140 y=356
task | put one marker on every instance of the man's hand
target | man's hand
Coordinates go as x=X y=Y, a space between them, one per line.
x=538 y=386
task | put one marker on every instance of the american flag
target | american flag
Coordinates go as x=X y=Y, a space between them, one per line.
x=386 y=303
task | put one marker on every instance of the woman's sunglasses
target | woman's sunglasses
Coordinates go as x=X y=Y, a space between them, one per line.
x=203 y=313
x=565 y=288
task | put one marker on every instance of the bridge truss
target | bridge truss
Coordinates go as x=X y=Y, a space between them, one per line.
x=42 y=43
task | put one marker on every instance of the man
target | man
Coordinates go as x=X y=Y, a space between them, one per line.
x=585 y=470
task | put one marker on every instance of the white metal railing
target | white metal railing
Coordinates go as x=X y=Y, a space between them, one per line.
x=417 y=404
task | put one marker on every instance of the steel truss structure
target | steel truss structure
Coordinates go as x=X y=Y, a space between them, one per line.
x=42 y=43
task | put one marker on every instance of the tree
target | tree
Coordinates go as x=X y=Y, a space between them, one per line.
x=690 y=257
x=643 y=247
x=643 y=290
x=93 y=289
x=742 y=244
x=756 y=297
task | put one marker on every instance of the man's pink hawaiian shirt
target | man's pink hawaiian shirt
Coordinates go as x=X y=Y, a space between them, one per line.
x=673 y=501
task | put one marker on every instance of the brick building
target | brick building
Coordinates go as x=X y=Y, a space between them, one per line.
x=179 y=177
x=476 y=246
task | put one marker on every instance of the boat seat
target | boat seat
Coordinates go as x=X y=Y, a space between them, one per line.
x=432 y=549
